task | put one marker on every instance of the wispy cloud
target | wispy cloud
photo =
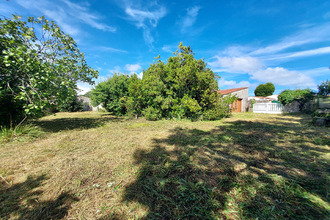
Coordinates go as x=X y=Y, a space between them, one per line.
x=313 y=52
x=170 y=48
x=83 y=14
x=190 y=18
x=132 y=67
x=66 y=14
x=110 y=49
x=306 y=36
x=145 y=19
x=326 y=15
x=321 y=71
x=252 y=61
x=116 y=69
x=236 y=64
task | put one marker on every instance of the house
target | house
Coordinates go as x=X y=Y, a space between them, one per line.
x=87 y=103
x=261 y=99
x=242 y=103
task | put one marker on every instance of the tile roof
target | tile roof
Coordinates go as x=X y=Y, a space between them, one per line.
x=227 y=91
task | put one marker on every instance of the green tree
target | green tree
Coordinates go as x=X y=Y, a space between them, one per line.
x=264 y=89
x=324 y=88
x=72 y=104
x=39 y=67
x=88 y=94
x=112 y=94
x=181 y=88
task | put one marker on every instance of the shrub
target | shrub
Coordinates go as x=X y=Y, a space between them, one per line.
x=221 y=110
x=72 y=104
x=299 y=95
x=152 y=114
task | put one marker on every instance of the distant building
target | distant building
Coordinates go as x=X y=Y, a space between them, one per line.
x=87 y=103
x=242 y=104
x=261 y=99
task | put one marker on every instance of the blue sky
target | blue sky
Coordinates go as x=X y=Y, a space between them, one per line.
x=286 y=42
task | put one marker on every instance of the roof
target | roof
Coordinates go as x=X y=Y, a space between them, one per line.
x=228 y=91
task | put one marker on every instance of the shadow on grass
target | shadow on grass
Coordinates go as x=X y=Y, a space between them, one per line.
x=239 y=170
x=21 y=201
x=60 y=124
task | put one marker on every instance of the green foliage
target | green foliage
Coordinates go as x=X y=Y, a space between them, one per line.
x=324 y=88
x=112 y=94
x=181 y=88
x=72 y=104
x=39 y=67
x=221 y=110
x=21 y=132
x=152 y=114
x=88 y=94
x=265 y=89
x=300 y=95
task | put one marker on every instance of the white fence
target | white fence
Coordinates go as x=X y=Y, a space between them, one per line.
x=270 y=108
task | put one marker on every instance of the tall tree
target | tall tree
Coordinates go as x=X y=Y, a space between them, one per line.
x=265 y=89
x=112 y=94
x=182 y=87
x=39 y=67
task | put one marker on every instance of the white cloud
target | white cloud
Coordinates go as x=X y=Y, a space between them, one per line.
x=306 y=36
x=314 y=52
x=140 y=75
x=146 y=20
x=283 y=77
x=236 y=64
x=321 y=71
x=110 y=49
x=84 y=16
x=223 y=83
x=190 y=18
x=83 y=88
x=167 y=49
x=132 y=67
x=116 y=69
x=67 y=15
x=170 y=48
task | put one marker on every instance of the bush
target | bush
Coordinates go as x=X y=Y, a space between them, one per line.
x=72 y=104
x=299 y=95
x=181 y=88
x=112 y=94
x=191 y=107
x=152 y=114
x=221 y=110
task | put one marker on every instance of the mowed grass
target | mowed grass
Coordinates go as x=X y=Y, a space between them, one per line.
x=97 y=166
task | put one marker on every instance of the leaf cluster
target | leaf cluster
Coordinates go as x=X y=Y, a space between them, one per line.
x=266 y=89
x=39 y=66
x=324 y=88
x=112 y=94
x=300 y=95
x=181 y=88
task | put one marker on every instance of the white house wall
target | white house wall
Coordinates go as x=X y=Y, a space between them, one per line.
x=244 y=95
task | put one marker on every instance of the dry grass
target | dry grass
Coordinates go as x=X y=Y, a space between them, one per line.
x=97 y=166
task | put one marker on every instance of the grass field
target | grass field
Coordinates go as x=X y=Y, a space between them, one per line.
x=97 y=166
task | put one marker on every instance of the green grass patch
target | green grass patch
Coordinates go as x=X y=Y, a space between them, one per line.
x=97 y=166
